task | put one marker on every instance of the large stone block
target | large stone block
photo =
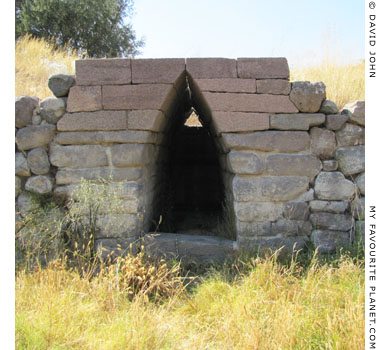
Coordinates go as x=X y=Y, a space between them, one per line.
x=299 y=121
x=161 y=70
x=211 y=68
x=103 y=71
x=21 y=165
x=258 y=211
x=263 y=68
x=335 y=207
x=60 y=84
x=273 y=86
x=77 y=157
x=335 y=121
x=253 y=228
x=296 y=211
x=24 y=107
x=52 y=108
x=35 y=136
x=333 y=186
x=293 y=164
x=330 y=221
x=328 y=107
x=328 y=241
x=131 y=155
x=308 y=96
x=269 y=141
x=239 y=121
x=84 y=99
x=99 y=120
x=40 y=184
x=146 y=119
x=350 y=135
x=291 y=228
x=305 y=197
x=233 y=102
x=355 y=112
x=244 y=162
x=38 y=161
x=323 y=143
x=357 y=208
x=360 y=182
x=351 y=160
x=227 y=85
x=269 y=188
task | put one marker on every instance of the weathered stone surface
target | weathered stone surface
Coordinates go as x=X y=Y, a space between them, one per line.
x=68 y=177
x=269 y=141
x=263 y=68
x=336 y=207
x=335 y=121
x=323 y=143
x=161 y=70
x=351 y=160
x=269 y=188
x=360 y=182
x=18 y=186
x=24 y=108
x=25 y=203
x=333 y=186
x=330 y=221
x=35 y=136
x=239 y=121
x=145 y=96
x=262 y=244
x=152 y=120
x=210 y=68
x=52 y=108
x=99 y=120
x=260 y=103
x=60 y=84
x=38 y=161
x=21 y=165
x=85 y=99
x=253 y=228
x=227 y=85
x=131 y=155
x=40 y=184
x=328 y=241
x=355 y=112
x=273 y=86
x=36 y=118
x=103 y=71
x=328 y=107
x=293 y=164
x=350 y=135
x=305 y=197
x=117 y=226
x=299 y=121
x=308 y=96
x=291 y=228
x=330 y=165
x=258 y=211
x=296 y=211
x=244 y=162
x=357 y=207
x=75 y=157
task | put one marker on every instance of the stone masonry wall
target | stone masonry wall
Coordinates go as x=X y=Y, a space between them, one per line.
x=293 y=165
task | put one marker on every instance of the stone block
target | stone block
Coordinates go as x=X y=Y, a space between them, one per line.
x=299 y=121
x=99 y=120
x=146 y=119
x=291 y=228
x=158 y=70
x=268 y=188
x=335 y=207
x=60 y=84
x=273 y=86
x=305 y=197
x=253 y=228
x=329 y=241
x=113 y=71
x=328 y=107
x=77 y=157
x=360 y=182
x=24 y=107
x=131 y=155
x=350 y=135
x=269 y=141
x=308 y=96
x=145 y=96
x=263 y=68
x=39 y=184
x=335 y=121
x=355 y=112
x=35 y=136
x=38 y=161
x=117 y=226
x=211 y=68
x=333 y=186
x=258 y=211
x=330 y=221
x=259 y=103
x=323 y=143
x=357 y=208
x=244 y=162
x=263 y=244
x=351 y=160
x=293 y=164
x=296 y=211
x=52 y=108
x=84 y=99
x=21 y=165
x=227 y=85
x=239 y=121
x=330 y=165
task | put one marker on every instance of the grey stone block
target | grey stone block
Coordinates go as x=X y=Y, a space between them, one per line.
x=131 y=155
x=244 y=162
x=24 y=107
x=18 y=186
x=328 y=107
x=253 y=228
x=293 y=164
x=335 y=121
x=35 y=136
x=52 y=109
x=308 y=96
x=38 y=161
x=358 y=208
x=351 y=160
x=329 y=221
x=40 y=184
x=333 y=186
x=330 y=165
x=258 y=211
x=60 y=84
x=296 y=211
x=323 y=143
x=328 y=206
x=355 y=112
x=21 y=165
x=299 y=121
x=360 y=182
x=350 y=135
x=291 y=228
x=328 y=241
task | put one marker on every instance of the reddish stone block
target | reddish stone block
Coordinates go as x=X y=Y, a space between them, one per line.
x=103 y=71
x=238 y=121
x=227 y=85
x=263 y=68
x=84 y=99
x=206 y=68
x=146 y=120
x=273 y=86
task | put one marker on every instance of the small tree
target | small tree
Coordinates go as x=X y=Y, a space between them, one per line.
x=95 y=28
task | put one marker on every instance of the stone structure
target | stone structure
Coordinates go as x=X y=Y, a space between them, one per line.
x=274 y=163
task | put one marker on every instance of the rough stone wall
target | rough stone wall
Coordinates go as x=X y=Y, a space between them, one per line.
x=293 y=165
